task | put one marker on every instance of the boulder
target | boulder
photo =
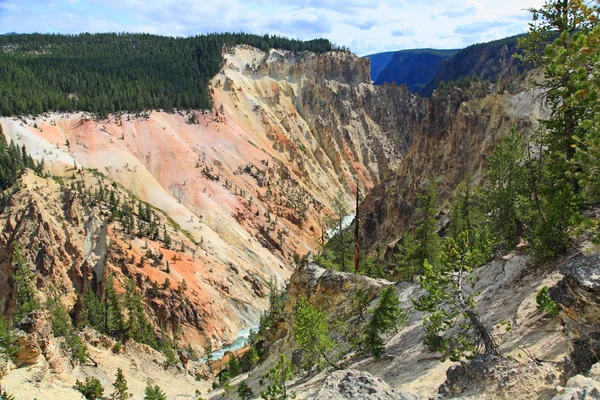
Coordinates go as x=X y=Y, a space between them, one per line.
x=578 y=297
x=351 y=384
x=582 y=387
x=499 y=377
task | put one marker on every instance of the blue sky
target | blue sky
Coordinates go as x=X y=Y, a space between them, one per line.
x=364 y=26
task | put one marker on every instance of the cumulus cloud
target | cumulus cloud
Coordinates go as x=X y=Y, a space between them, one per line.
x=364 y=26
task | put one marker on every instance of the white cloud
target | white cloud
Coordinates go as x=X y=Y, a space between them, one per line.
x=364 y=26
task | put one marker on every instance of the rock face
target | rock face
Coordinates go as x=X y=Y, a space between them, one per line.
x=244 y=189
x=454 y=136
x=355 y=385
x=330 y=291
x=498 y=377
x=582 y=387
x=578 y=296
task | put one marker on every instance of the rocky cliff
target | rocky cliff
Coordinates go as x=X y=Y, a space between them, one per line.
x=243 y=188
x=455 y=135
x=240 y=189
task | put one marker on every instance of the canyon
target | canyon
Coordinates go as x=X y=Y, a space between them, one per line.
x=244 y=191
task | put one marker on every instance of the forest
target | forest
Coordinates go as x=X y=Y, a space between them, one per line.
x=119 y=72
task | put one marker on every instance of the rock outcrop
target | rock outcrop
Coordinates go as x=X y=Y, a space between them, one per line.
x=578 y=297
x=353 y=385
x=454 y=136
x=581 y=387
x=330 y=291
x=496 y=377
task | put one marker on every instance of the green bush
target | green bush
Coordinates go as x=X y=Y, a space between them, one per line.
x=545 y=303
x=92 y=388
x=116 y=348
x=77 y=348
x=8 y=338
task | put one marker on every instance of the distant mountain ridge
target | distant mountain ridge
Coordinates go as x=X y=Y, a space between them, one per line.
x=422 y=70
x=415 y=68
x=489 y=61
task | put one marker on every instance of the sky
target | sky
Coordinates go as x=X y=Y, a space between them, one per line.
x=365 y=27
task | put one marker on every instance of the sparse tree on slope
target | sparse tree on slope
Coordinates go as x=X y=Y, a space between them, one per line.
x=278 y=377
x=386 y=317
x=311 y=332
x=426 y=236
x=154 y=392
x=505 y=187
x=448 y=302
x=121 y=390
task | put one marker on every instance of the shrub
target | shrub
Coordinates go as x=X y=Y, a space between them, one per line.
x=77 y=348
x=116 y=348
x=92 y=388
x=545 y=303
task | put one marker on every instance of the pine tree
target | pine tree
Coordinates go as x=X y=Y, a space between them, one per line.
x=504 y=191
x=58 y=315
x=92 y=388
x=447 y=300
x=562 y=41
x=154 y=392
x=278 y=377
x=22 y=280
x=386 y=317
x=8 y=338
x=244 y=391
x=114 y=309
x=311 y=333
x=233 y=366
x=94 y=312
x=426 y=236
x=138 y=327
x=120 y=385
x=467 y=215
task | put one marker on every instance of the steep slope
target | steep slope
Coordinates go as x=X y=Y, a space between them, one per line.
x=414 y=68
x=240 y=189
x=243 y=188
x=491 y=61
x=456 y=135
x=508 y=288
x=378 y=62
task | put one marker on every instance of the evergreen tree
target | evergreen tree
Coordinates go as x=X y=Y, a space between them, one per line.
x=59 y=317
x=278 y=377
x=426 y=236
x=467 y=215
x=504 y=201
x=22 y=280
x=138 y=327
x=562 y=42
x=8 y=338
x=92 y=388
x=120 y=385
x=233 y=366
x=244 y=391
x=114 y=310
x=94 y=312
x=311 y=333
x=154 y=392
x=447 y=300
x=386 y=316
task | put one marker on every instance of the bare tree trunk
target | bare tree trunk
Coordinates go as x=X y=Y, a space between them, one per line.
x=356 y=243
x=330 y=362
x=483 y=333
